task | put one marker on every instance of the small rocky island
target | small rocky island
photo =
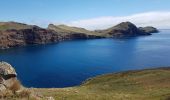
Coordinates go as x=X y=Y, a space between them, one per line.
x=13 y=34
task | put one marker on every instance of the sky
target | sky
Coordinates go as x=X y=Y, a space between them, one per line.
x=89 y=14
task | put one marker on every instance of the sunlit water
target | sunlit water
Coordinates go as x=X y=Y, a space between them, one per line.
x=69 y=63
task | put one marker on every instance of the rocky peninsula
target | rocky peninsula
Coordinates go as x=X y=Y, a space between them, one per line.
x=13 y=34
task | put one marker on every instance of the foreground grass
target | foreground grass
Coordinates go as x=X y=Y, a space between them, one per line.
x=153 y=84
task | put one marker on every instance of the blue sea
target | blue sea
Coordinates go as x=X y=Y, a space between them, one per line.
x=69 y=63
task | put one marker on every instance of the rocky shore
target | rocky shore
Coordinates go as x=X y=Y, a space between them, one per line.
x=12 y=89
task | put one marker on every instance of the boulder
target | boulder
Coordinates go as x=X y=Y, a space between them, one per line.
x=7 y=70
x=8 y=76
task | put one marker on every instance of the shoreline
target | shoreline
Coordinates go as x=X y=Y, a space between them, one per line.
x=146 y=84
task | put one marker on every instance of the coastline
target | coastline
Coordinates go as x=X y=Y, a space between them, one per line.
x=146 y=84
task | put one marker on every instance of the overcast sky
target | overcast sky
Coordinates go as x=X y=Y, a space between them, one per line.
x=90 y=14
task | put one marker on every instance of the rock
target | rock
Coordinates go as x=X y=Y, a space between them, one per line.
x=2 y=88
x=148 y=29
x=7 y=70
x=50 y=98
x=7 y=76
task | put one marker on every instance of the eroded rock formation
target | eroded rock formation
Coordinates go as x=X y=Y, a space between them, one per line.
x=7 y=76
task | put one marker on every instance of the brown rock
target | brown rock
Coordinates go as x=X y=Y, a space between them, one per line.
x=7 y=76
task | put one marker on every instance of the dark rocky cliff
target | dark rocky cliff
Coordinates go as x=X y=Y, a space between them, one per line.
x=34 y=35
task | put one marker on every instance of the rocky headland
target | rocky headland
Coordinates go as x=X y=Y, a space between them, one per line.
x=13 y=34
x=127 y=29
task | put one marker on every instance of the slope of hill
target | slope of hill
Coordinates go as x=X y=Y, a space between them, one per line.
x=150 y=84
x=64 y=29
x=13 y=25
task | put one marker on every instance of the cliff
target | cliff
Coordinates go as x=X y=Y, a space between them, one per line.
x=16 y=34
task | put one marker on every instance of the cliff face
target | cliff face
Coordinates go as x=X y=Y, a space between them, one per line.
x=16 y=34
x=34 y=35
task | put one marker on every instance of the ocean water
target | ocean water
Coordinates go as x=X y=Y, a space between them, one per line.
x=69 y=63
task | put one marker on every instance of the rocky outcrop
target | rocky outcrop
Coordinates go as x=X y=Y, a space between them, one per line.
x=148 y=29
x=7 y=76
x=13 y=38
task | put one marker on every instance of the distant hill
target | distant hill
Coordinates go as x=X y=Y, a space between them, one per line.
x=127 y=29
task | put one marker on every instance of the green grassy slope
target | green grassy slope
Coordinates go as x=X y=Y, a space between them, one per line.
x=153 y=84
x=13 y=25
x=64 y=29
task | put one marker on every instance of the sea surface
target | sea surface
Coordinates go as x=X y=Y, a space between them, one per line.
x=69 y=63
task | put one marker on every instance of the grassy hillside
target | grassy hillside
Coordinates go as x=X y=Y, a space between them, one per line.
x=13 y=25
x=153 y=84
x=64 y=29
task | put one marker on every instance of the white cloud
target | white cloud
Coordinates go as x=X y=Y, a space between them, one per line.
x=157 y=19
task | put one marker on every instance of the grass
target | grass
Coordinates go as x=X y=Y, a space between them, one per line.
x=15 y=86
x=149 y=84
x=153 y=84
x=64 y=29
x=16 y=92
x=13 y=25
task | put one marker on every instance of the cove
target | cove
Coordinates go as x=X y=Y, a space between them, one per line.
x=69 y=63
